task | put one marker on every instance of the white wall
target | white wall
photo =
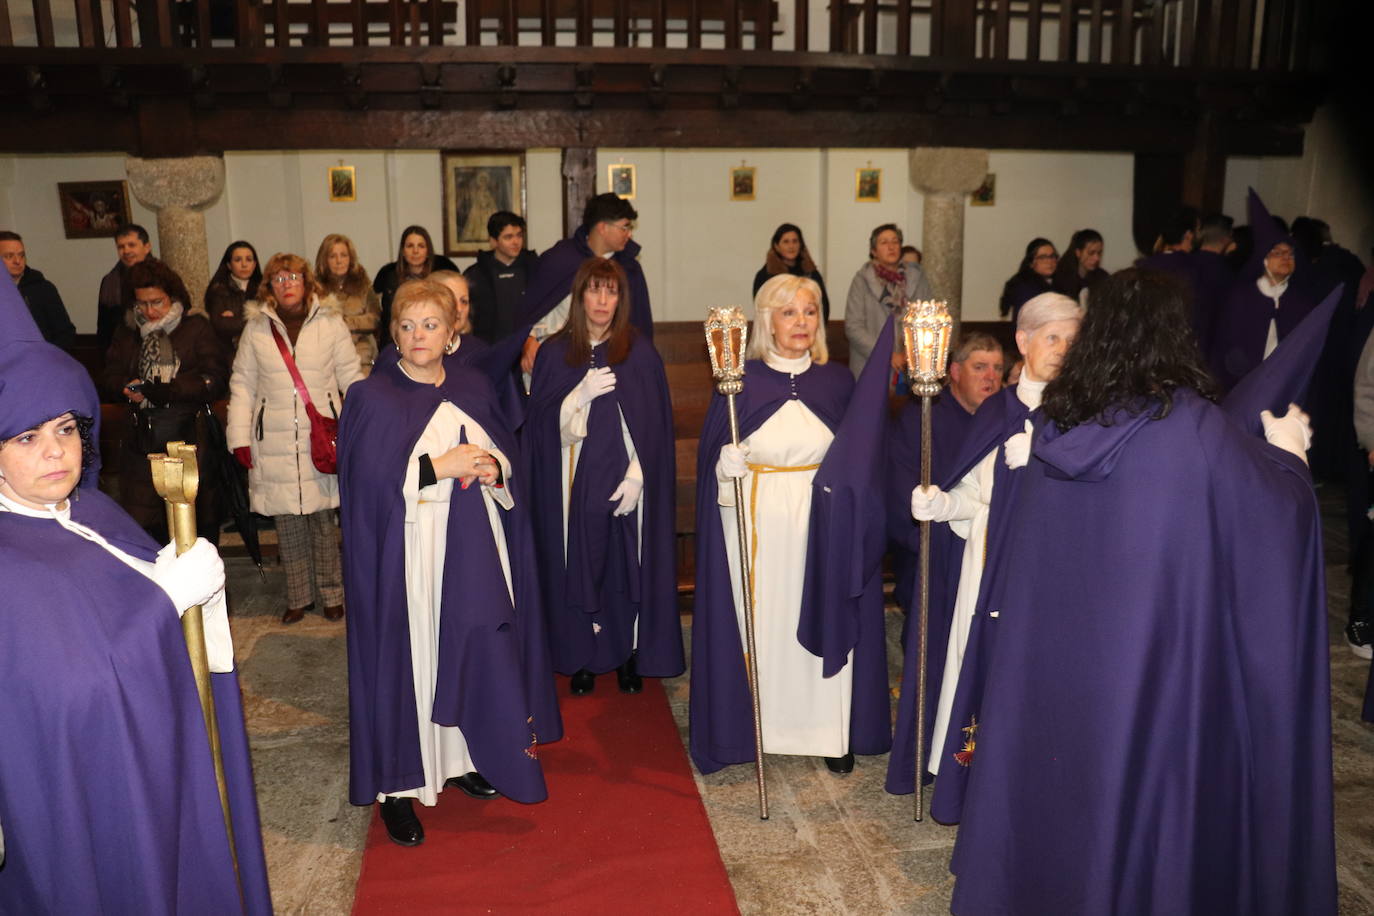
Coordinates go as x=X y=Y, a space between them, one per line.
x=699 y=247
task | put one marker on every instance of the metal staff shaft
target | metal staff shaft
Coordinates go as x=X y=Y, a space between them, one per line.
x=924 y=620
x=746 y=579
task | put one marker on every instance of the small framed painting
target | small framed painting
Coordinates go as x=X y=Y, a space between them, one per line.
x=93 y=209
x=986 y=195
x=868 y=185
x=742 y=179
x=620 y=178
x=477 y=185
x=342 y=183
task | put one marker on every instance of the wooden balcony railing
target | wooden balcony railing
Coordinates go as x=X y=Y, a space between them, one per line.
x=1272 y=35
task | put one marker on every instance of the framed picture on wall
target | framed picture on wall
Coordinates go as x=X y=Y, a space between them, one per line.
x=476 y=185
x=343 y=184
x=986 y=195
x=93 y=209
x=868 y=185
x=742 y=182
x=620 y=179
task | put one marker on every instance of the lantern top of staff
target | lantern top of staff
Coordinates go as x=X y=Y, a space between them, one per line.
x=727 y=336
x=925 y=329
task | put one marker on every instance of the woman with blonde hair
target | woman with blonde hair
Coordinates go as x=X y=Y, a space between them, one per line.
x=345 y=282
x=287 y=328
x=600 y=440
x=792 y=401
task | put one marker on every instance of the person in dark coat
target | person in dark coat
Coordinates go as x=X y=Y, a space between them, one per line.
x=235 y=281
x=1160 y=685
x=789 y=413
x=1034 y=275
x=450 y=682
x=42 y=298
x=1268 y=299
x=415 y=259
x=599 y=440
x=608 y=222
x=498 y=280
x=787 y=253
x=1080 y=269
x=133 y=247
x=108 y=796
x=1212 y=274
x=167 y=364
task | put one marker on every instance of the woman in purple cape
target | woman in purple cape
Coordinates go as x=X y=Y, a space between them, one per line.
x=1154 y=734
x=449 y=682
x=599 y=437
x=108 y=795
x=791 y=406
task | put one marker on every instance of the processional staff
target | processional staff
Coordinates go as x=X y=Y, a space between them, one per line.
x=727 y=332
x=926 y=327
x=176 y=478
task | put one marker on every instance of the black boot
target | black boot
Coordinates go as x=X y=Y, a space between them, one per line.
x=583 y=683
x=627 y=675
x=404 y=828
x=840 y=765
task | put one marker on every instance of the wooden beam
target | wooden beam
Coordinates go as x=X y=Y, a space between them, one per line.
x=42 y=23
x=7 y=34
x=1204 y=168
x=579 y=184
x=1033 y=30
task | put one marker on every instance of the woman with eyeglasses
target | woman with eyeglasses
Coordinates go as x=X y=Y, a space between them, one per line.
x=269 y=429
x=166 y=363
x=415 y=260
x=1034 y=276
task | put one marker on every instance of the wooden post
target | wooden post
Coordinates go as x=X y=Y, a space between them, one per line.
x=579 y=184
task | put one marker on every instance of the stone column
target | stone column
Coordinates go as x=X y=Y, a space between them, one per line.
x=944 y=175
x=179 y=190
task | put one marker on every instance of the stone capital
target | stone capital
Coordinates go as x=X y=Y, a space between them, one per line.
x=190 y=183
x=950 y=169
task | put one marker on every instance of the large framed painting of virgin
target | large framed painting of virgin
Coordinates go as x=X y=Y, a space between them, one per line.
x=476 y=185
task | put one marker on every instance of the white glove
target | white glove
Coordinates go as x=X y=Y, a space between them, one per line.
x=1291 y=432
x=734 y=461
x=192 y=578
x=1016 y=450
x=931 y=504
x=219 y=642
x=628 y=493
x=593 y=385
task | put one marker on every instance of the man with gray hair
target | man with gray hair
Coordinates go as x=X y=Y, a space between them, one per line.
x=975 y=374
x=983 y=484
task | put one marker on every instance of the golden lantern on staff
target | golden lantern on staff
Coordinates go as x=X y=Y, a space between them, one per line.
x=727 y=335
x=925 y=329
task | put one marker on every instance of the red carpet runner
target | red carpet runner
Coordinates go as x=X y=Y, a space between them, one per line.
x=623 y=829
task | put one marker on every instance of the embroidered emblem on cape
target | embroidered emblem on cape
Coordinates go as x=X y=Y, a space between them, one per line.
x=965 y=757
x=532 y=751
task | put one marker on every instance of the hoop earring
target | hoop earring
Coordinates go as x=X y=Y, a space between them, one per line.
x=451 y=345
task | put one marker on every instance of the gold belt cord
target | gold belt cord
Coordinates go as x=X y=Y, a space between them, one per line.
x=759 y=470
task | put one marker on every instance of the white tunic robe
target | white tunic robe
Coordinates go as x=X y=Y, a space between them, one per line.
x=443 y=750
x=975 y=493
x=803 y=712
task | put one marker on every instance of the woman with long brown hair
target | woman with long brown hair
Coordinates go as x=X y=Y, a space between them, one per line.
x=415 y=259
x=599 y=438
x=345 y=282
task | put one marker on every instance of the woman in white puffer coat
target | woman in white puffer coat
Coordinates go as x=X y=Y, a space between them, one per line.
x=269 y=430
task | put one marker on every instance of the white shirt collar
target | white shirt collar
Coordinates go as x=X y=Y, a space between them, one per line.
x=791 y=366
x=1029 y=390
x=9 y=505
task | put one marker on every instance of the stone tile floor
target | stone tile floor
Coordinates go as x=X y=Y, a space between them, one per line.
x=832 y=844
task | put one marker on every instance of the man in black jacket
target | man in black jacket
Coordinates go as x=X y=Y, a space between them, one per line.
x=42 y=298
x=497 y=281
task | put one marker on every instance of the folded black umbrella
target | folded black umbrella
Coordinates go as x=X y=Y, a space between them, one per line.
x=219 y=469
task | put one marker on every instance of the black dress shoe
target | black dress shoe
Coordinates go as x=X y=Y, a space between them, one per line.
x=627 y=676
x=473 y=784
x=296 y=614
x=843 y=764
x=404 y=828
x=583 y=683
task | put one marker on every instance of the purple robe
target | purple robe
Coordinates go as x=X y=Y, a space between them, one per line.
x=721 y=721
x=596 y=594
x=950 y=425
x=1155 y=732
x=493 y=677
x=1212 y=279
x=108 y=796
x=1242 y=325
x=551 y=282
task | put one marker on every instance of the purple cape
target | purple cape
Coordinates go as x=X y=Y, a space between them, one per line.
x=107 y=788
x=950 y=425
x=551 y=282
x=1212 y=279
x=1242 y=325
x=596 y=595
x=1155 y=731
x=722 y=725
x=493 y=669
